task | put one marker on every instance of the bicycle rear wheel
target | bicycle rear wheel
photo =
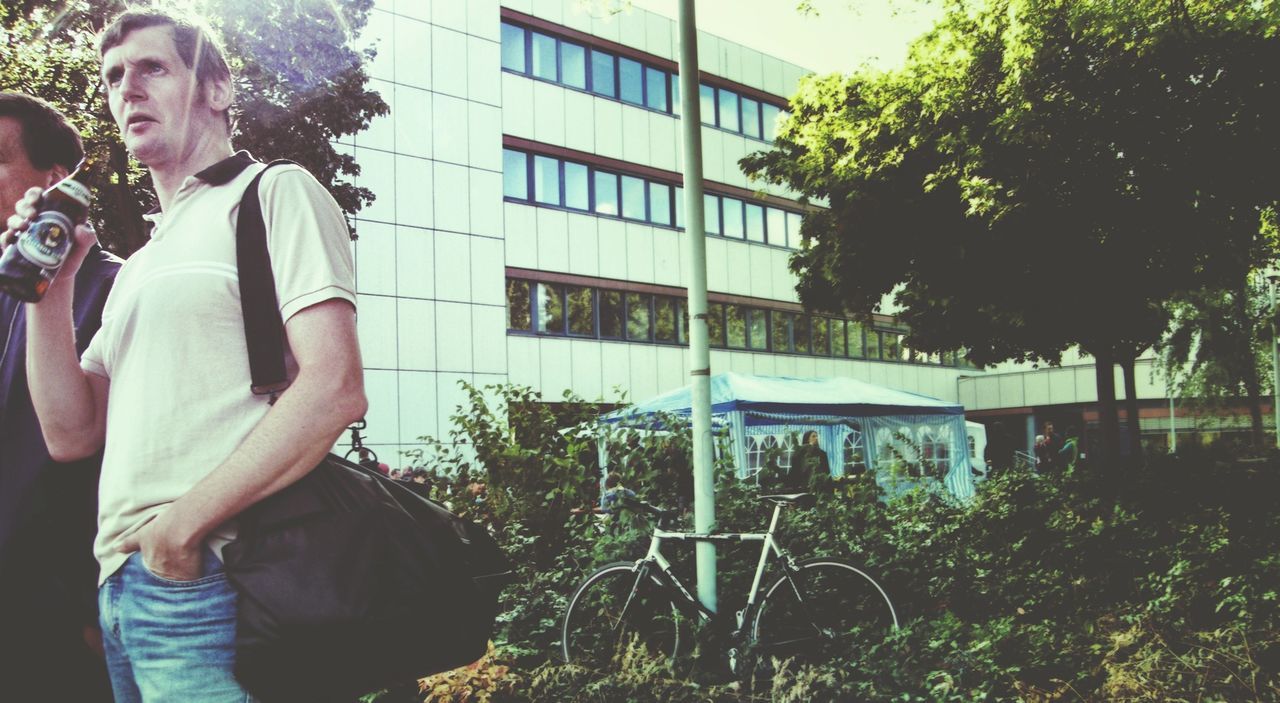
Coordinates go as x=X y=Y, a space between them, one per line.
x=615 y=616
x=829 y=609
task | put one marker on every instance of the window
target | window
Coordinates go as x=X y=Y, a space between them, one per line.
x=728 y=112
x=711 y=213
x=546 y=180
x=732 y=218
x=612 y=314
x=755 y=453
x=855 y=458
x=821 y=337
x=678 y=202
x=660 y=204
x=664 y=319
x=736 y=326
x=873 y=344
x=757 y=329
x=655 y=89
x=515 y=174
x=793 y=230
x=769 y=120
x=776 y=220
x=707 y=104
x=675 y=94
x=582 y=319
x=576 y=189
x=715 y=324
x=518 y=306
x=889 y=349
x=638 y=316
x=631 y=81
x=856 y=348
x=800 y=333
x=573 y=65
x=544 y=57
x=935 y=450
x=838 y=347
x=751 y=118
x=602 y=74
x=633 y=198
x=787 y=448
x=606 y=193
x=755 y=222
x=550 y=309
x=513 y=48
x=782 y=330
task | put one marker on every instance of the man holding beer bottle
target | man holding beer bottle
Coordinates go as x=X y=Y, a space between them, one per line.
x=48 y=610
x=164 y=386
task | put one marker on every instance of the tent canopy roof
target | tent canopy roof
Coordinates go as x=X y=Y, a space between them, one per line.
x=844 y=397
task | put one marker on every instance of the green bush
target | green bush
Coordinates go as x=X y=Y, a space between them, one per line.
x=1153 y=583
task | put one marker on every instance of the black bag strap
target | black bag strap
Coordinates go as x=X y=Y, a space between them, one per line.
x=263 y=326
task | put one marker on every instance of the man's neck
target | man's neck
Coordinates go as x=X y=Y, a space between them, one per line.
x=168 y=177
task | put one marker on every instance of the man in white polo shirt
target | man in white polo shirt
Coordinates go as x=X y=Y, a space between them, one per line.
x=164 y=385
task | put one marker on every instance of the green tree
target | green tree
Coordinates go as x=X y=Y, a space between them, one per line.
x=1041 y=174
x=300 y=85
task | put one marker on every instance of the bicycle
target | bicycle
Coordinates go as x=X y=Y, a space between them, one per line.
x=814 y=609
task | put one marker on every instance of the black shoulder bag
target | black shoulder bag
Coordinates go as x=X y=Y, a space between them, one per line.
x=348 y=582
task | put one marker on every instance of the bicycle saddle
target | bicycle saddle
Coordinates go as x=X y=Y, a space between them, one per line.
x=800 y=500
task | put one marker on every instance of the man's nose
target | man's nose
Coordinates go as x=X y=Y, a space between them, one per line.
x=132 y=86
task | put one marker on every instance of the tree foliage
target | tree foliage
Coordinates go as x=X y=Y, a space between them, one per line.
x=300 y=85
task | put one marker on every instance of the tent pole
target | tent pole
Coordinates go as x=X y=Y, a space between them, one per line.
x=704 y=497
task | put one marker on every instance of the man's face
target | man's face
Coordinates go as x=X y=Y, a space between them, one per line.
x=1048 y=428
x=16 y=172
x=154 y=97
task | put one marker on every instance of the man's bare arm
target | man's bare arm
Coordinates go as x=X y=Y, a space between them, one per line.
x=326 y=397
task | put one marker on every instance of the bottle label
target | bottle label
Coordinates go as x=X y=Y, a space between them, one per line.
x=48 y=239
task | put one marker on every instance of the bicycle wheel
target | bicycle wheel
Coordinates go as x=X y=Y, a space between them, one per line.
x=829 y=609
x=612 y=617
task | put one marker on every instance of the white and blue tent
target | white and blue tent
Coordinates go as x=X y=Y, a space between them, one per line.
x=857 y=423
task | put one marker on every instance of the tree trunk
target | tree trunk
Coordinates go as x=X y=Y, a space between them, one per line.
x=128 y=228
x=1109 y=418
x=1248 y=365
x=1127 y=364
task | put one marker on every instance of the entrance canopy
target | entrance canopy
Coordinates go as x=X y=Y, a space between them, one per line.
x=899 y=435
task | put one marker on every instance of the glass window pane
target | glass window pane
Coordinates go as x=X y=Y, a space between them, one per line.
x=715 y=324
x=546 y=180
x=755 y=223
x=728 y=101
x=873 y=344
x=800 y=333
x=573 y=65
x=582 y=319
x=631 y=81
x=611 y=314
x=678 y=204
x=889 y=347
x=856 y=348
x=781 y=331
x=518 y=306
x=638 y=316
x=751 y=118
x=769 y=118
x=732 y=218
x=707 y=98
x=632 y=197
x=606 y=193
x=838 y=347
x=821 y=338
x=793 y=230
x=656 y=88
x=544 y=56
x=675 y=94
x=659 y=204
x=576 y=193
x=550 y=309
x=513 y=47
x=947 y=359
x=777 y=224
x=711 y=213
x=684 y=321
x=602 y=74
x=757 y=329
x=515 y=174
x=736 y=326
x=664 y=319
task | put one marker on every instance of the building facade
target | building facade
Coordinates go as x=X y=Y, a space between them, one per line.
x=528 y=226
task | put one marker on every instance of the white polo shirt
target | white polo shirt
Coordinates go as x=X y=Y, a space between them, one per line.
x=172 y=338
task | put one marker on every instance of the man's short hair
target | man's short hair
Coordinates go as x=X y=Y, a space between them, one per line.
x=196 y=43
x=47 y=136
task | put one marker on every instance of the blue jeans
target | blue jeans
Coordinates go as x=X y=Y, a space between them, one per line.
x=170 y=640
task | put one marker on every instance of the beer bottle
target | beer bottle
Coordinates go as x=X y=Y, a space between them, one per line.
x=30 y=264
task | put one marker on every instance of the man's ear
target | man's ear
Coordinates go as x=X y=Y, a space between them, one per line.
x=219 y=93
